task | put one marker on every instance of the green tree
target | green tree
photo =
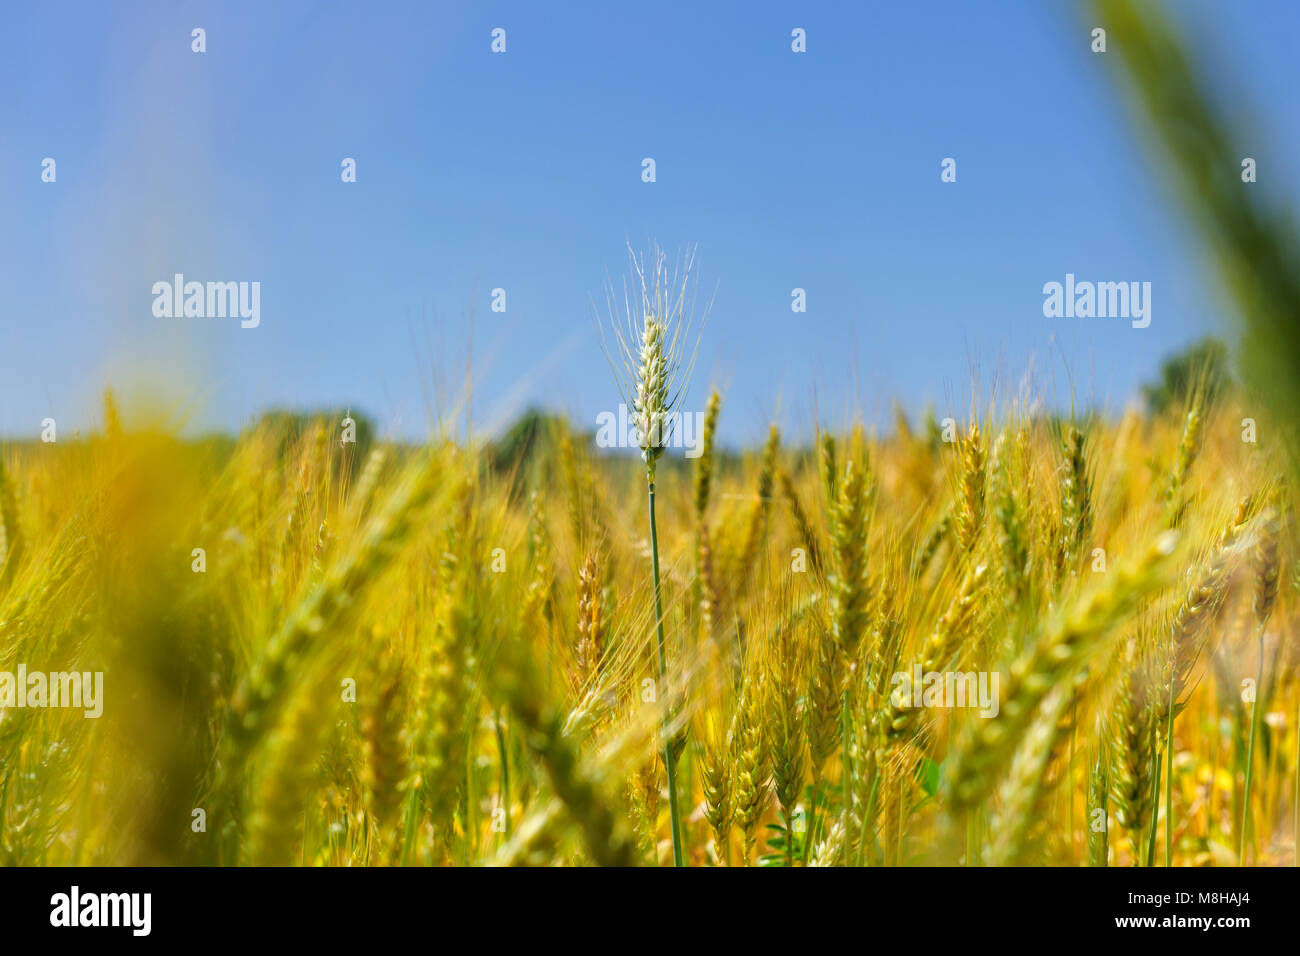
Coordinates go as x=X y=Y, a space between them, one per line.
x=1202 y=366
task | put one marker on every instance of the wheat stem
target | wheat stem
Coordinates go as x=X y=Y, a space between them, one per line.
x=1250 y=750
x=670 y=763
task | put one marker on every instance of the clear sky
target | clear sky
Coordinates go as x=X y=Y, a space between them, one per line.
x=476 y=170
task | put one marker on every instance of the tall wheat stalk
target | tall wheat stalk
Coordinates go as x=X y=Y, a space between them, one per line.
x=1265 y=596
x=653 y=383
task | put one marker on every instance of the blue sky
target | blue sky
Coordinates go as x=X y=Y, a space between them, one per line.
x=523 y=171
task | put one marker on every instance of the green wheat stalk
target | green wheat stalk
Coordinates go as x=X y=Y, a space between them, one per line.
x=653 y=383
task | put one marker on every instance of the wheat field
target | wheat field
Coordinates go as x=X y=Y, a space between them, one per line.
x=1013 y=632
x=327 y=652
